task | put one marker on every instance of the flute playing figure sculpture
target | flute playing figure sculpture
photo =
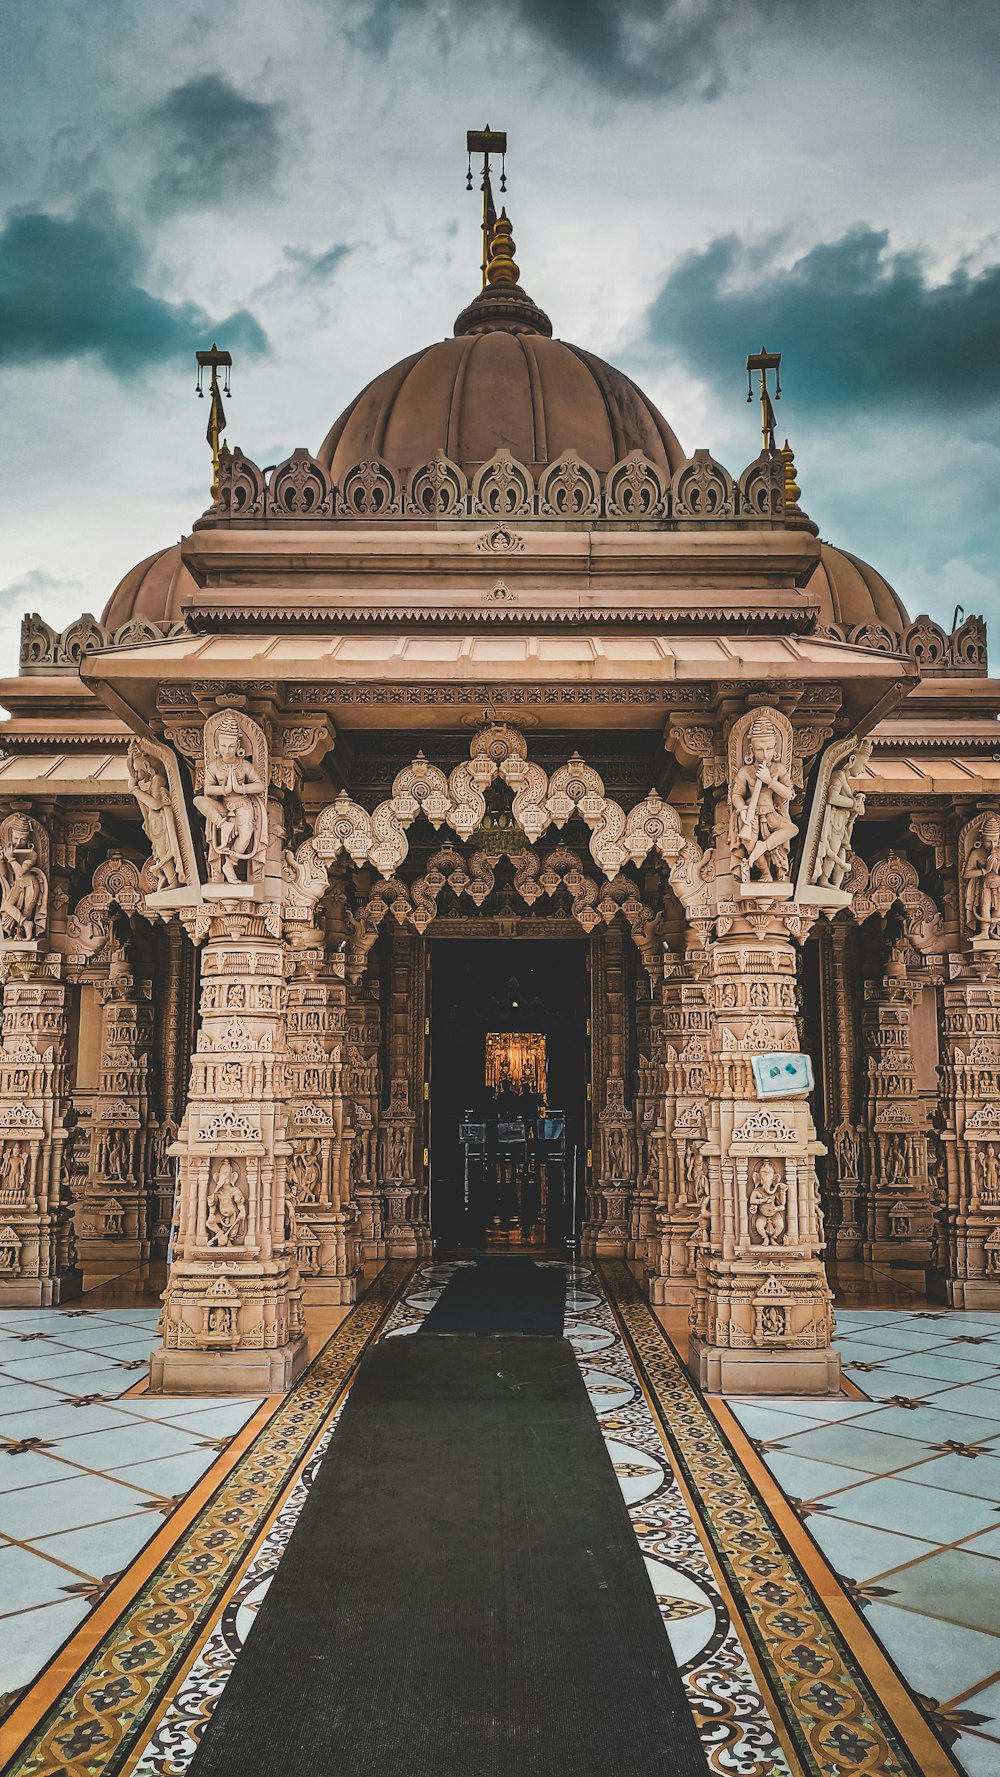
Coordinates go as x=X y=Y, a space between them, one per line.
x=760 y=794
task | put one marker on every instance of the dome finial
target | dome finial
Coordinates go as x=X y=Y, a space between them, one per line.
x=792 y=490
x=501 y=268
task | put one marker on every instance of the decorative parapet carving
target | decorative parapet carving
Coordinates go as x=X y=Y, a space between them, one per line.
x=24 y=877
x=48 y=650
x=115 y=883
x=234 y=798
x=568 y=490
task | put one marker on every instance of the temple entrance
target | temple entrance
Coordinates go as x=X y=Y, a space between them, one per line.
x=508 y=1091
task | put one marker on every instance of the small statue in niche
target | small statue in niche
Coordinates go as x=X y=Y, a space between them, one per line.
x=226 y=1220
x=989 y=1175
x=847 y=1149
x=220 y=1321
x=695 y=1173
x=306 y=1170
x=10 y=1251
x=768 y=1195
x=843 y=807
x=982 y=879
x=396 y=1153
x=760 y=796
x=13 y=1171
x=23 y=885
x=895 y=1161
x=772 y=1321
x=152 y=792
x=617 y=1154
x=234 y=803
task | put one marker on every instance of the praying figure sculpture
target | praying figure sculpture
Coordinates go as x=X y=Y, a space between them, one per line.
x=768 y=1195
x=760 y=795
x=23 y=885
x=152 y=792
x=226 y=1220
x=843 y=806
x=234 y=802
x=982 y=880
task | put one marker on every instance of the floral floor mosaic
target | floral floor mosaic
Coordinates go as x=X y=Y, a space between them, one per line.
x=782 y=1678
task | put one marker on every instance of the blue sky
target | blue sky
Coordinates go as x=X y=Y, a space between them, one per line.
x=688 y=179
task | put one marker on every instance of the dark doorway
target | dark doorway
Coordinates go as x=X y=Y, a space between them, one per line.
x=504 y=1154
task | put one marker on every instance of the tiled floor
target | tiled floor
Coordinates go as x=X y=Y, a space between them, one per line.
x=86 y=1477
x=902 y=1494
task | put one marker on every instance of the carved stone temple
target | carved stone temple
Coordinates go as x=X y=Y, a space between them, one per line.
x=501 y=686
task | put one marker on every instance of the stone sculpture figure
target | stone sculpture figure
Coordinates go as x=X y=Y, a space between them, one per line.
x=234 y=803
x=152 y=792
x=226 y=1220
x=13 y=1171
x=306 y=1170
x=989 y=1173
x=760 y=794
x=768 y=1195
x=843 y=806
x=23 y=886
x=847 y=1150
x=617 y=1156
x=397 y=1153
x=982 y=880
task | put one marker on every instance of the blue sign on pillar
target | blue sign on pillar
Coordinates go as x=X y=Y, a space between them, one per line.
x=782 y=1073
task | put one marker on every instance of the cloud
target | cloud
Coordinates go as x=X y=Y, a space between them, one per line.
x=317 y=267
x=75 y=288
x=644 y=48
x=212 y=143
x=858 y=325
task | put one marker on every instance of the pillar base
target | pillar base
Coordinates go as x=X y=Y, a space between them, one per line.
x=40 y=1292
x=329 y=1292
x=228 y=1372
x=748 y=1370
x=964 y=1292
x=669 y=1292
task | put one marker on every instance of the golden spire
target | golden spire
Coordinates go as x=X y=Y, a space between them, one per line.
x=501 y=268
x=487 y=142
x=792 y=490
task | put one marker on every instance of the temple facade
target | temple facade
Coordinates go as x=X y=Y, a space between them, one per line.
x=501 y=663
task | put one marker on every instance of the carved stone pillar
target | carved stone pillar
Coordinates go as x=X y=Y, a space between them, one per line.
x=232 y=1318
x=683 y=1172
x=610 y=1189
x=843 y=1206
x=897 y=1203
x=761 y=1318
x=37 y=1261
x=648 y=1117
x=401 y=1164
x=362 y=1086
x=113 y=1210
x=319 y=1171
x=965 y=1266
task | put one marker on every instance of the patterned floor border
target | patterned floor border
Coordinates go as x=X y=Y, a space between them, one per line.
x=823 y=1685
x=774 y=1688
x=113 y=1701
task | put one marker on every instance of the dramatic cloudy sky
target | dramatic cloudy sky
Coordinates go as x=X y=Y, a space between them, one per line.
x=688 y=179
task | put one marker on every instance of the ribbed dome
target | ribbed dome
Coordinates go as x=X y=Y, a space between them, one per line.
x=154 y=588
x=850 y=591
x=501 y=384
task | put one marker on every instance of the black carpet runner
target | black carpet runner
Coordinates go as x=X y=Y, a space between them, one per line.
x=501 y=1295
x=463 y=1595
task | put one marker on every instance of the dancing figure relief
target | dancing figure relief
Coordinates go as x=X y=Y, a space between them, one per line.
x=844 y=804
x=23 y=884
x=760 y=796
